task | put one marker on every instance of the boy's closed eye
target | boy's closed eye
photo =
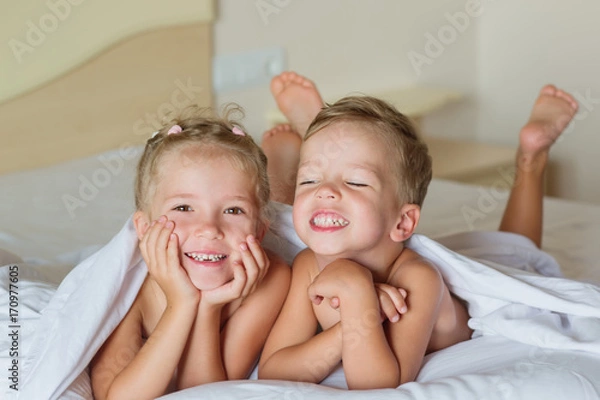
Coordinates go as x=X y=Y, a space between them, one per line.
x=356 y=184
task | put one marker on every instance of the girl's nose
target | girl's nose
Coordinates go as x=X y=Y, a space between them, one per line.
x=208 y=230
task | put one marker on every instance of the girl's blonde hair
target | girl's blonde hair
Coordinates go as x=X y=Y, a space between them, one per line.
x=209 y=133
x=409 y=154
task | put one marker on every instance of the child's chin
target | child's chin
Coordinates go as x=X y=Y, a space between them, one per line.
x=209 y=284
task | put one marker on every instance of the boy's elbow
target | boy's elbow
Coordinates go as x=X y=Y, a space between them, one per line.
x=389 y=383
x=389 y=380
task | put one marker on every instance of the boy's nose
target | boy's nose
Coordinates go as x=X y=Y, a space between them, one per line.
x=327 y=191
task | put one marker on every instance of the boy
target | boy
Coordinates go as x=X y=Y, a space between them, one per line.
x=362 y=178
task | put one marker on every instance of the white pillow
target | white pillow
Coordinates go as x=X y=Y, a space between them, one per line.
x=55 y=213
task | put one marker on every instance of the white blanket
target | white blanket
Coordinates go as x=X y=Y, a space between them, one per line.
x=541 y=324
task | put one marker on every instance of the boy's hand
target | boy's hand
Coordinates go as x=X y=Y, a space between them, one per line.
x=247 y=275
x=339 y=279
x=392 y=302
x=160 y=249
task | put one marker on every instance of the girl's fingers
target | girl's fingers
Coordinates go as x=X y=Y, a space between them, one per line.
x=239 y=280
x=173 y=250
x=262 y=261
x=162 y=242
x=251 y=268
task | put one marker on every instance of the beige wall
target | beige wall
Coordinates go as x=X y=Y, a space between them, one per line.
x=524 y=45
x=33 y=32
x=499 y=58
x=343 y=45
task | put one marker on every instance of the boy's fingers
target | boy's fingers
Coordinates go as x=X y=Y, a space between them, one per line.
x=313 y=296
x=334 y=302
x=395 y=296
x=387 y=306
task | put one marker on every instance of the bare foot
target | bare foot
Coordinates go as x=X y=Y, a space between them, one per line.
x=551 y=114
x=281 y=145
x=297 y=98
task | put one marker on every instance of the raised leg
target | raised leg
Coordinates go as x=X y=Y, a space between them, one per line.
x=281 y=145
x=551 y=114
x=297 y=98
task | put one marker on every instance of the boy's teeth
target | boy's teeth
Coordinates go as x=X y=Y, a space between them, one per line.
x=326 y=222
x=206 y=257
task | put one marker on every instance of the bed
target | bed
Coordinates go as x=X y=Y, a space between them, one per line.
x=66 y=190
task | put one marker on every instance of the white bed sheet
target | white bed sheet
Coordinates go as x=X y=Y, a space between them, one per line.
x=60 y=215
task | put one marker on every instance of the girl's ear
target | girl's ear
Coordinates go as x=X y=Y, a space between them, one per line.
x=141 y=223
x=263 y=227
x=406 y=223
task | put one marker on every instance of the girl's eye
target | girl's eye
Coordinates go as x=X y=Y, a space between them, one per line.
x=306 y=182
x=183 y=208
x=233 y=210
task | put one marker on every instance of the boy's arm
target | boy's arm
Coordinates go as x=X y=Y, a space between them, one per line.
x=410 y=336
x=230 y=352
x=369 y=361
x=292 y=351
x=126 y=367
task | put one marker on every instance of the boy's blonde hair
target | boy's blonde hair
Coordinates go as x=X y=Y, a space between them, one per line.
x=215 y=136
x=412 y=163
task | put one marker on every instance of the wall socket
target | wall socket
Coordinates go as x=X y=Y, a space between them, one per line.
x=236 y=71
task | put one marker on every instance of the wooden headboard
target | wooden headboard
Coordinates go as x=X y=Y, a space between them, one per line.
x=114 y=99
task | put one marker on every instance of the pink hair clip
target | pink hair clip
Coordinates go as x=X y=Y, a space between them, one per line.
x=174 y=130
x=237 y=131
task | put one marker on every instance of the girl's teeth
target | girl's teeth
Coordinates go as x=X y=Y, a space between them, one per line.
x=206 y=257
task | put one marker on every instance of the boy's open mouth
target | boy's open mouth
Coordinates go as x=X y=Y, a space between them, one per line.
x=328 y=221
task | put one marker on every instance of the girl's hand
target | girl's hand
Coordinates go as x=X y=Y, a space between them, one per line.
x=392 y=302
x=160 y=249
x=247 y=275
x=256 y=262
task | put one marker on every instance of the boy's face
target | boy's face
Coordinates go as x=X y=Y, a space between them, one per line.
x=346 y=201
x=214 y=209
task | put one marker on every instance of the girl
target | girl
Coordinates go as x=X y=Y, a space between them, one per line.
x=212 y=293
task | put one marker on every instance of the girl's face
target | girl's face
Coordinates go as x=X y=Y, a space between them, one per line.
x=214 y=207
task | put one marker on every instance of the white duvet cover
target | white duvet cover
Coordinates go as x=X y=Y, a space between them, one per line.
x=548 y=327
x=536 y=337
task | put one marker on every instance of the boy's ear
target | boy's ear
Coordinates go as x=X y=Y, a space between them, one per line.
x=141 y=223
x=406 y=223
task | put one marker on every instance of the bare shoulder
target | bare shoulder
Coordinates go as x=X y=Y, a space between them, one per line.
x=305 y=263
x=278 y=268
x=412 y=269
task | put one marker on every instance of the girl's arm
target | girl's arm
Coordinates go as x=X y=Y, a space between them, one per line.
x=230 y=352
x=293 y=351
x=125 y=366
